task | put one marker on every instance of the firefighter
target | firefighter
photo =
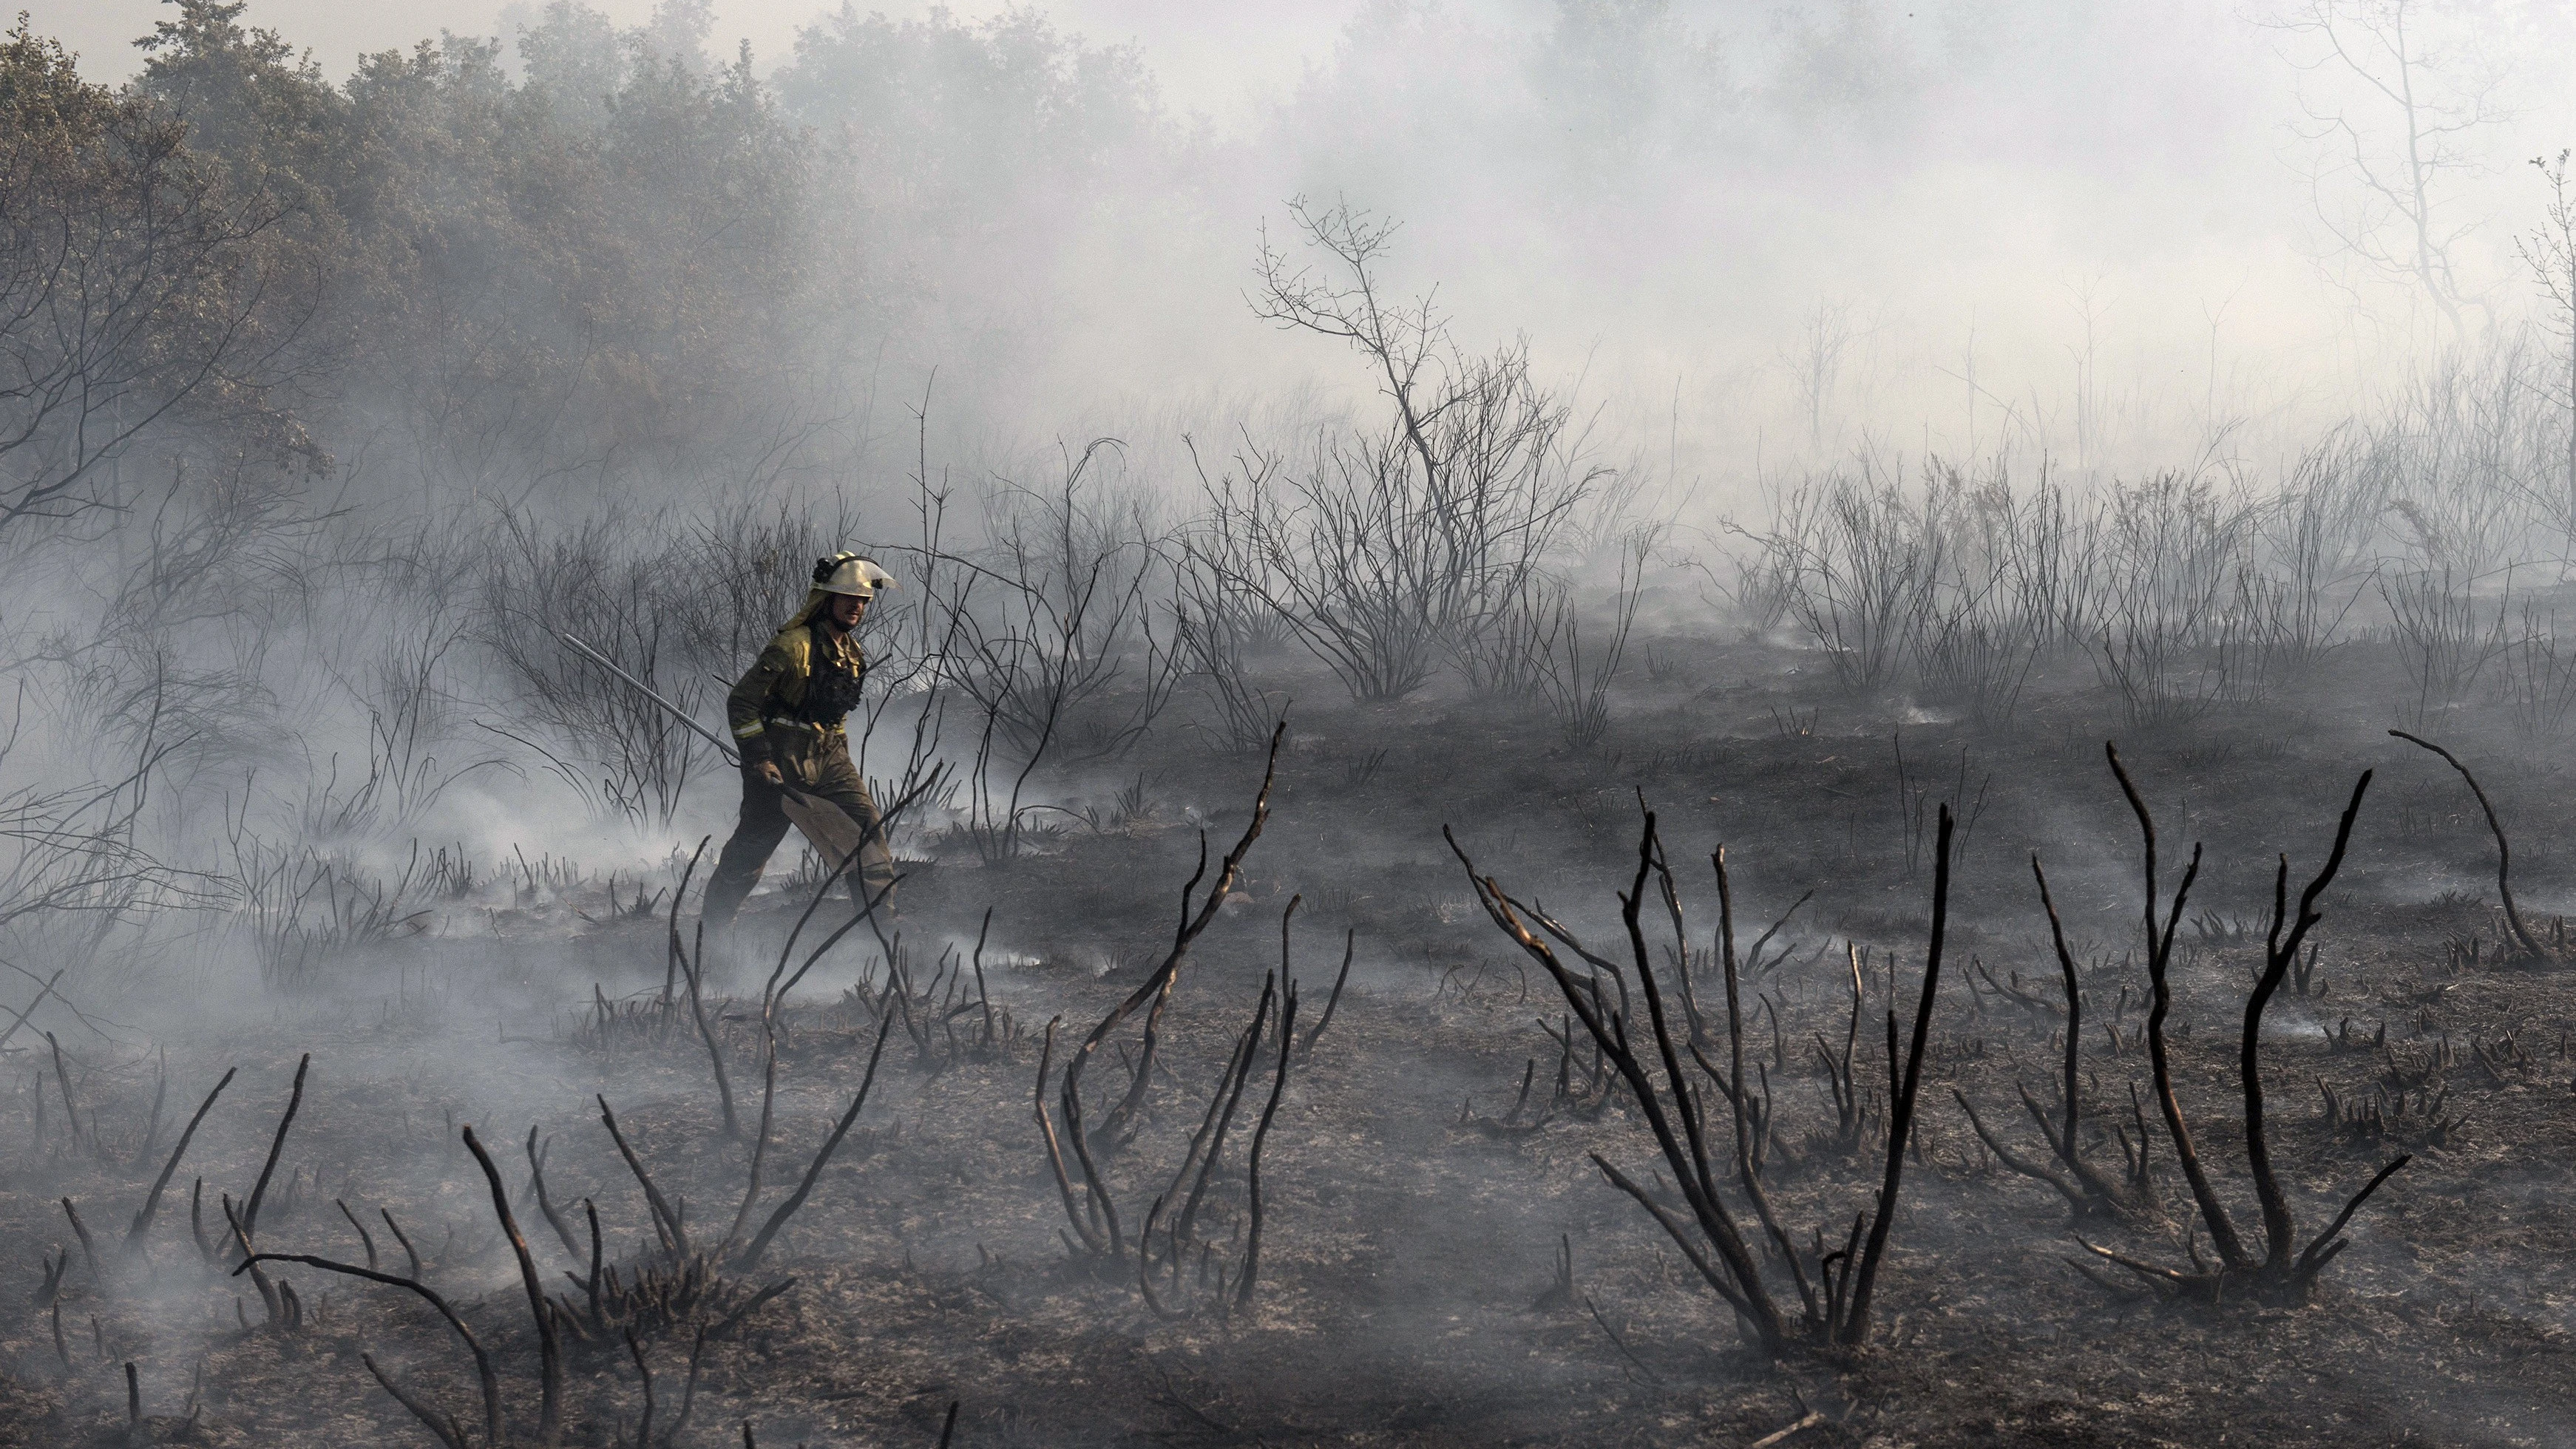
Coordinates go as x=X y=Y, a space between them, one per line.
x=786 y=715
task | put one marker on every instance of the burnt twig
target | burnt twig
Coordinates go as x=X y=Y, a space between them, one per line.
x=1091 y=1241
x=409 y=1252
x=483 y=1369
x=152 y=1202
x=550 y=1353
x=671 y=961
x=89 y=1249
x=1739 y=1282
x=759 y=1149
x=268 y=1295
x=1209 y=1141
x=695 y=972
x=1900 y=1115
x=2522 y=936
x=644 y=1431
x=2086 y=1188
x=2160 y=986
x=1705 y=1229
x=666 y=1223
x=1350 y=944
x=2278 y=1275
x=822 y=1156
x=366 y=1239
x=442 y=1426
x=545 y=1206
x=250 y=1210
x=1261 y=1134
x=1156 y=984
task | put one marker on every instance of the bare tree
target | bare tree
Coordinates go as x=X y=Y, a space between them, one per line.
x=1815 y=361
x=1404 y=541
x=1574 y=674
x=1219 y=626
x=1041 y=627
x=75 y=863
x=1346 y=557
x=1066 y=572
x=2550 y=251
x=2393 y=116
x=1400 y=341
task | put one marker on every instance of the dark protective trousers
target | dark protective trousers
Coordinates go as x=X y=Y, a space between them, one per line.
x=822 y=771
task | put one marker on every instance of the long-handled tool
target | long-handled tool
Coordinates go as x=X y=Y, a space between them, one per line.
x=682 y=715
x=835 y=836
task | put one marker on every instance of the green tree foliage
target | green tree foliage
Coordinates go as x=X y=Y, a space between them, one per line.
x=959 y=125
x=135 y=290
x=555 y=283
x=606 y=263
x=964 y=163
x=573 y=276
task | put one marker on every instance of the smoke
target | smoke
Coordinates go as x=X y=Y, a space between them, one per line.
x=1788 y=423
x=2110 y=237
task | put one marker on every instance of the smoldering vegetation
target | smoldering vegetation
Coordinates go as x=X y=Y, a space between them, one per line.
x=1414 y=926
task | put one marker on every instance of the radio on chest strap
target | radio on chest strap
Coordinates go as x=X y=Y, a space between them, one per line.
x=833 y=686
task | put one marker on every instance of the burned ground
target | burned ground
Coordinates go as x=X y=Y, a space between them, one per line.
x=1752 y=464
x=1415 y=1200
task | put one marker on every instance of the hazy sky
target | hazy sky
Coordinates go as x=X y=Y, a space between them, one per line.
x=1208 y=57
x=1996 y=208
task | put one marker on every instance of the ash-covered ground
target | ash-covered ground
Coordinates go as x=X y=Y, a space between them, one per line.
x=1606 y=722
x=1427 y=1160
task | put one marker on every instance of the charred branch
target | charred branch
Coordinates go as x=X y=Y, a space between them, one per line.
x=2286 y=1272
x=1193 y=922
x=2526 y=943
x=152 y=1202
x=250 y=1210
x=537 y=1188
x=1350 y=945
x=750 y=1256
x=550 y=1412
x=1252 y=1160
x=483 y=1370
x=666 y=1223
x=1158 y=984
x=2087 y=1189
x=1834 y=1305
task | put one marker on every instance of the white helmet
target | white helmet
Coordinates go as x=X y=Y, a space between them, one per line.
x=847 y=573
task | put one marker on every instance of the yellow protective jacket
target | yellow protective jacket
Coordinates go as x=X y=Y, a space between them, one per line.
x=772 y=693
